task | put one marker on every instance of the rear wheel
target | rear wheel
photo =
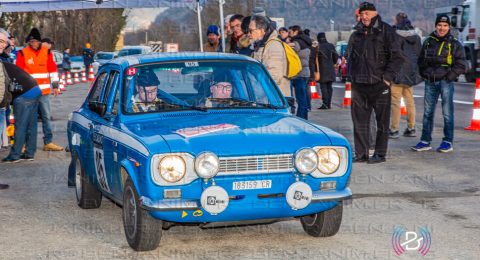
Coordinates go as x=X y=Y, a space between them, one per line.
x=88 y=196
x=323 y=224
x=143 y=232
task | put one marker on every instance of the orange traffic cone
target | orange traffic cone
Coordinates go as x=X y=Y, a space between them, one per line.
x=61 y=86
x=91 y=76
x=403 y=108
x=69 y=79
x=475 y=123
x=313 y=90
x=75 y=78
x=347 y=100
x=84 y=77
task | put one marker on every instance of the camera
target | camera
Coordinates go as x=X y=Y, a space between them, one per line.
x=14 y=87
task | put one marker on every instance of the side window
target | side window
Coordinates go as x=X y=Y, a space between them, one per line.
x=111 y=80
x=96 y=93
x=115 y=103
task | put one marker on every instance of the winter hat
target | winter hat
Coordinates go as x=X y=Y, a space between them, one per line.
x=442 y=19
x=259 y=11
x=33 y=35
x=47 y=40
x=366 y=6
x=321 y=36
x=212 y=29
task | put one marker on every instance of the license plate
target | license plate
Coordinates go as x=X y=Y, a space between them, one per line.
x=252 y=185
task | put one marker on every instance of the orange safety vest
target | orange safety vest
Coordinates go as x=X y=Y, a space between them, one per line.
x=36 y=66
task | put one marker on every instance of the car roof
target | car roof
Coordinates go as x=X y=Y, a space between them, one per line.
x=127 y=61
x=135 y=47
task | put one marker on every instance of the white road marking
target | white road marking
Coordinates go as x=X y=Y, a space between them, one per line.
x=418 y=96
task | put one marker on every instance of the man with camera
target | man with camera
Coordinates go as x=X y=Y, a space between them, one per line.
x=19 y=86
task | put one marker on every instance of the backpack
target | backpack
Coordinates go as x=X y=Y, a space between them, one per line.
x=294 y=65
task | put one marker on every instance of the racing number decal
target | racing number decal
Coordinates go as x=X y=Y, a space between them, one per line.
x=100 y=169
x=99 y=160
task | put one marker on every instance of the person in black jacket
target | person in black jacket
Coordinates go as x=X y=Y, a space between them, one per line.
x=408 y=77
x=375 y=58
x=327 y=57
x=441 y=61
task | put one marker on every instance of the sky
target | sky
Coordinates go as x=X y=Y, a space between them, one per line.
x=140 y=18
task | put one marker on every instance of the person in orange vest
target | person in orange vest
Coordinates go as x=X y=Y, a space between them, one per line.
x=37 y=60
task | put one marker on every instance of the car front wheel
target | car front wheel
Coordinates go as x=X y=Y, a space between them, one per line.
x=143 y=232
x=88 y=196
x=323 y=224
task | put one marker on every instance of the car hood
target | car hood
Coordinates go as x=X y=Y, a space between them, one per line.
x=229 y=134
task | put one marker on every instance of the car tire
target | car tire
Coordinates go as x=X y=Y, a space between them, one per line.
x=323 y=224
x=88 y=196
x=143 y=232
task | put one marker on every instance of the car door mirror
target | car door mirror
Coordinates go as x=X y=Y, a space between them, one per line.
x=97 y=107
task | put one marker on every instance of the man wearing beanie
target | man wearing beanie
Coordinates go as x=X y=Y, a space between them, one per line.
x=441 y=61
x=37 y=60
x=374 y=60
x=213 y=39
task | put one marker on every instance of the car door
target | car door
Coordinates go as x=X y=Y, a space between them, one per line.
x=96 y=100
x=108 y=132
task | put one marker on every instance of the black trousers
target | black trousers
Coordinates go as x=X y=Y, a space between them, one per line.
x=327 y=91
x=368 y=98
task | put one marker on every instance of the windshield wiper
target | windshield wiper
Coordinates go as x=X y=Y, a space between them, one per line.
x=243 y=102
x=173 y=105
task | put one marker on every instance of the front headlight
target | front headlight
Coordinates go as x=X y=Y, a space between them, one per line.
x=172 y=168
x=207 y=165
x=328 y=160
x=306 y=161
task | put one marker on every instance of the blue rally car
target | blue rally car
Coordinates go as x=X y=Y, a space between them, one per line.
x=206 y=139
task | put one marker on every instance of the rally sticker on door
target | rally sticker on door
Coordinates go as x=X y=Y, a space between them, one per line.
x=100 y=169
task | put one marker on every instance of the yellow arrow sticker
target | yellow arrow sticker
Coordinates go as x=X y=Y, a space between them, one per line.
x=184 y=214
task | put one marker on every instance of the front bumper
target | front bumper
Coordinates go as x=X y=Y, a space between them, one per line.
x=181 y=210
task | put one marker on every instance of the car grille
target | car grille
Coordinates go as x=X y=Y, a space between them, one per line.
x=256 y=164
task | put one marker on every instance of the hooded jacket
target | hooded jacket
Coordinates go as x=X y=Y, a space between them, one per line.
x=327 y=57
x=374 y=53
x=442 y=58
x=411 y=46
x=302 y=47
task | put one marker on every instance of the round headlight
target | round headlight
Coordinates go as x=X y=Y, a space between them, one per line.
x=207 y=165
x=306 y=161
x=328 y=160
x=172 y=168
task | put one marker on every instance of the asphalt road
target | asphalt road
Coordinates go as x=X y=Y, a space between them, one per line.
x=39 y=218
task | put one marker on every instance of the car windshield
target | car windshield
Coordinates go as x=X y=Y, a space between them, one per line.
x=76 y=58
x=126 y=52
x=104 y=56
x=199 y=85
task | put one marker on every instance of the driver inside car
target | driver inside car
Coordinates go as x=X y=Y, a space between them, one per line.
x=219 y=90
x=146 y=85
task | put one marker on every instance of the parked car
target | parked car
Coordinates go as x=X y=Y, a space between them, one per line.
x=134 y=50
x=103 y=57
x=206 y=139
x=77 y=64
